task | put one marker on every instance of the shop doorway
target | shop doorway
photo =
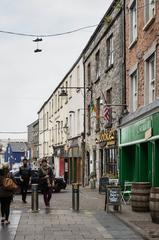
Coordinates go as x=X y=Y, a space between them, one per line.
x=88 y=165
x=143 y=162
x=94 y=161
x=101 y=162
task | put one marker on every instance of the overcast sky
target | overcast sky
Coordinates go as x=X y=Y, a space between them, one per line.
x=27 y=79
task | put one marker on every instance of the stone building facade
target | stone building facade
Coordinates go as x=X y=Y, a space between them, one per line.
x=33 y=141
x=139 y=132
x=105 y=94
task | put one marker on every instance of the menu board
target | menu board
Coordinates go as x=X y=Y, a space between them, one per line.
x=113 y=195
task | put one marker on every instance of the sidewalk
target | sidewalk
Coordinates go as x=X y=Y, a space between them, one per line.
x=91 y=222
x=140 y=222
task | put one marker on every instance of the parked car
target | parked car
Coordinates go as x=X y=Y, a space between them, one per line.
x=59 y=182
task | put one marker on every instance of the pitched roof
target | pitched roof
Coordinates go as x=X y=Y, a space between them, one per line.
x=18 y=146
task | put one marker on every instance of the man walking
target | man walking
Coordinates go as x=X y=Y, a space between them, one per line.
x=25 y=178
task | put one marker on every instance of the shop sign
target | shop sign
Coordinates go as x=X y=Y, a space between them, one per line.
x=73 y=142
x=148 y=133
x=59 y=152
x=108 y=136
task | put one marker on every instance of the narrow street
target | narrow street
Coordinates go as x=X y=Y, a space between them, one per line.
x=60 y=222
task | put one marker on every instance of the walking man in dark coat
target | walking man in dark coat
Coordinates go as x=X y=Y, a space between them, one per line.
x=25 y=178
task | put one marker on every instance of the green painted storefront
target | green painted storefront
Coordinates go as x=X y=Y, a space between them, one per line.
x=139 y=151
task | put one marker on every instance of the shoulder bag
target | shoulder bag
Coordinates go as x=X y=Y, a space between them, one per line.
x=9 y=184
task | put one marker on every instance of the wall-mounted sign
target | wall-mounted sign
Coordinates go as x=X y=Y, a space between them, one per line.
x=148 y=133
x=108 y=136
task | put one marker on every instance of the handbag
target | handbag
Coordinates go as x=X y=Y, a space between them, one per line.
x=9 y=184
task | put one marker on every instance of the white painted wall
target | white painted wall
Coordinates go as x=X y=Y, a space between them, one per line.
x=55 y=112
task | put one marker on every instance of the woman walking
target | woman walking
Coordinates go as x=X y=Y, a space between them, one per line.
x=46 y=180
x=6 y=196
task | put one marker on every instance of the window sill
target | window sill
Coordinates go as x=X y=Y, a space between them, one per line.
x=109 y=68
x=133 y=43
x=148 y=24
x=77 y=90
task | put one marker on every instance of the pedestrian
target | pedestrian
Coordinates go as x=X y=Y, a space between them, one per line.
x=25 y=178
x=6 y=196
x=46 y=181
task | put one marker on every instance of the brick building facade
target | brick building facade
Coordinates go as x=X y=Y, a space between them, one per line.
x=139 y=131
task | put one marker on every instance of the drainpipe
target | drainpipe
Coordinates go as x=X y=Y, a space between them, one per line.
x=84 y=129
x=124 y=48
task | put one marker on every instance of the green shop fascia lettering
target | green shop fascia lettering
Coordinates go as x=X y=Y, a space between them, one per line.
x=139 y=151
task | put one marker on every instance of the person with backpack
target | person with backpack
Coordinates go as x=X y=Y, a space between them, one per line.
x=6 y=196
x=46 y=181
x=25 y=178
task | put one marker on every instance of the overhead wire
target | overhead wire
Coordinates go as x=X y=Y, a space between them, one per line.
x=47 y=35
x=64 y=33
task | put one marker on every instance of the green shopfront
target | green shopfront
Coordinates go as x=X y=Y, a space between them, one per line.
x=139 y=151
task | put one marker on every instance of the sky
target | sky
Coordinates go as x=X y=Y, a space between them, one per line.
x=27 y=79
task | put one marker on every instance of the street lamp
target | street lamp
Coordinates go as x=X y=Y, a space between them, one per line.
x=64 y=90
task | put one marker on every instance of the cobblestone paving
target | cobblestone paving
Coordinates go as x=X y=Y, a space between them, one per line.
x=61 y=223
x=8 y=232
x=69 y=225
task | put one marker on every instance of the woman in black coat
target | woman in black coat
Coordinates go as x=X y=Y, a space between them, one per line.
x=6 y=196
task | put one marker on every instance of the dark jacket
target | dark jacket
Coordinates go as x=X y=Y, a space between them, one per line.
x=25 y=173
x=43 y=182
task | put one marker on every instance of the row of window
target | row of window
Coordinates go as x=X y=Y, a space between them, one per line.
x=57 y=101
x=149 y=84
x=149 y=13
x=71 y=127
x=109 y=60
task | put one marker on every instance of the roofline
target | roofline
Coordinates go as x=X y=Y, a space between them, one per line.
x=78 y=59
x=109 y=10
x=33 y=123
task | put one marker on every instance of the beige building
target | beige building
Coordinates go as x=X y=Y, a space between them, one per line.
x=61 y=125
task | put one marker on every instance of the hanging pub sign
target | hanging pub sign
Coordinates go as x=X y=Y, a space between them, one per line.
x=108 y=136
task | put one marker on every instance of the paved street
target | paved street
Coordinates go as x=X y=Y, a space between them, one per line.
x=60 y=222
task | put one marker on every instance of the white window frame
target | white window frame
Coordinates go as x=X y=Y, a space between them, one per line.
x=110 y=51
x=69 y=87
x=78 y=121
x=150 y=78
x=149 y=10
x=133 y=91
x=133 y=21
x=78 y=76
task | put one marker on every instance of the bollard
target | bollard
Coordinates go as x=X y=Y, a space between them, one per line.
x=34 y=198
x=75 y=196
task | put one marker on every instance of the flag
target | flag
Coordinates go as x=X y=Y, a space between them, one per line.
x=91 y=105
x=93 y=108
x=106 y=112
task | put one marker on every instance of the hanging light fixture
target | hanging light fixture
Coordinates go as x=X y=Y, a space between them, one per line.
x=63 y=93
